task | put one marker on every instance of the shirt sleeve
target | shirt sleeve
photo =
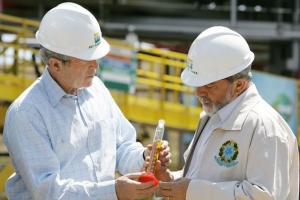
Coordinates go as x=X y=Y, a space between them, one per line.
x=34 y=160
x=129 y=152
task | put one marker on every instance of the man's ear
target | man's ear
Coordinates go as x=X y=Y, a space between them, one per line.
x=55 y=64
x=240 y=86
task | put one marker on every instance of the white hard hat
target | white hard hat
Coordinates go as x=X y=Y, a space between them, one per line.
x=217 y=53
x=71 y=30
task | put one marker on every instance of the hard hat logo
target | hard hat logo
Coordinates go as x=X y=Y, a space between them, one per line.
x=97 y=39
x=190 y=66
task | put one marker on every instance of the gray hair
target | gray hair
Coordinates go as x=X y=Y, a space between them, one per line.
x=245 y=74
x=46 y=54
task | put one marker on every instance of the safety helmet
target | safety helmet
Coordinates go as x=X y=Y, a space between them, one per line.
x=71 y=30
x=217 y=53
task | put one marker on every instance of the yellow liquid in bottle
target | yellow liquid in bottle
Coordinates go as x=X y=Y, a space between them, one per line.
x=154 y=155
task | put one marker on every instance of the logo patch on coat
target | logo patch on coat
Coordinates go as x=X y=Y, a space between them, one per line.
x=228 y=154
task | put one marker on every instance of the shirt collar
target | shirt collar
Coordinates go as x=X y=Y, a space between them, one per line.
x=219 y=118
x=226 y=110
x=234 y=114
x=53 y=90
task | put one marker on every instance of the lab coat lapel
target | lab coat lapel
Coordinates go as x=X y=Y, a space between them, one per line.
x=202 y=122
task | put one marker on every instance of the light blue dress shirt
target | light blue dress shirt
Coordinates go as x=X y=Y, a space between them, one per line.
x=68 y=147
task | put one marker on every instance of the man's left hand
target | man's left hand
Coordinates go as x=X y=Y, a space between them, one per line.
x=174 y=190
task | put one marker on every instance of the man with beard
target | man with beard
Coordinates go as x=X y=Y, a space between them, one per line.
x=242 y=148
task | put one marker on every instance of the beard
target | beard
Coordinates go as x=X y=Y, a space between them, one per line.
x=216 y=106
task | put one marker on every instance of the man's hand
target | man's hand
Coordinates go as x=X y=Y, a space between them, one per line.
x=175 y=190
x=128 y=187
x=161 y=171
x=164 y=154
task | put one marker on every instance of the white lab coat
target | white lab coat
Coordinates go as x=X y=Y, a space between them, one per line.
x=266 y=166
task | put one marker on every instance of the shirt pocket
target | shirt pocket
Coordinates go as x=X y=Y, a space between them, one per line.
x=108 y=133
x=70 y=141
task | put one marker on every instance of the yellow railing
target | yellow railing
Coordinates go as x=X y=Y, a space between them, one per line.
x=159 y=90
x=23 y=29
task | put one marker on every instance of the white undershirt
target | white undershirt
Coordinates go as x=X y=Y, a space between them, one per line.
x=211 y=125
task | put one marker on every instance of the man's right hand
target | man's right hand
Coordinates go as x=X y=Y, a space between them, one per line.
x=128 y=187
x=162 y=173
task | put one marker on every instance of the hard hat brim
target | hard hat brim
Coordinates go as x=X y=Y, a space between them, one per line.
x=191 y=79
x=93 y=54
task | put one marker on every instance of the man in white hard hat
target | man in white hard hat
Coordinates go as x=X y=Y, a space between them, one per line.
x=242 y=148
x=65 y=134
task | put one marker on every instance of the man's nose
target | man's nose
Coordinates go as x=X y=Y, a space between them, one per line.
x=200 y=91
x=94 y=64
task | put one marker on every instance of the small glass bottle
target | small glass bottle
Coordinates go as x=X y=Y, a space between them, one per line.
x=157 y=142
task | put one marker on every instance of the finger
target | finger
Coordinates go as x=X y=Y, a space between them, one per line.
x=166 y=160
x=157 y=164
x=146 y=192
x=158 y=193
x=147 y=159
x=164 y=144
x=146 y=185
x=159 y=167
x=148 y=150
x=149 y=147
x=134 y=176
x=165 y=151
x=146 y=163
x=166 y=156
x=143 y=169
x=165 y=193
x=165 y=185
x=166 y=163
